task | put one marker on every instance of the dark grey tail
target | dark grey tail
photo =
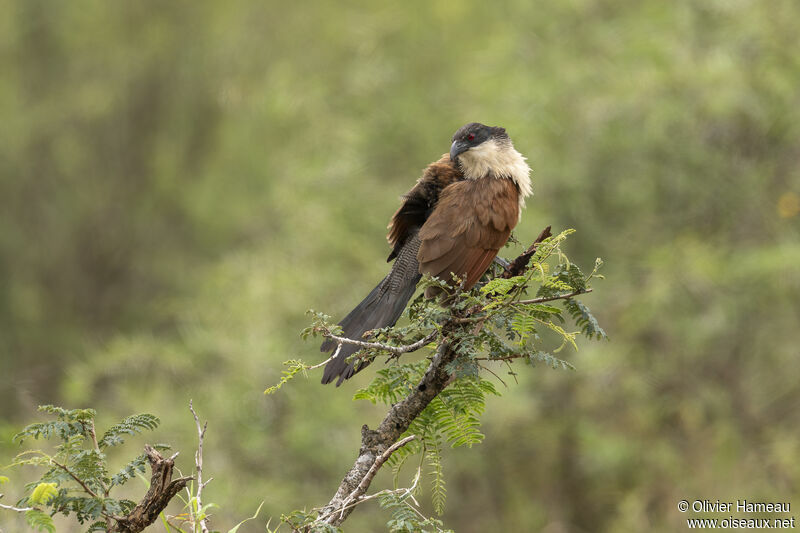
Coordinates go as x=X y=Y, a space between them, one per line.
x=382 y=307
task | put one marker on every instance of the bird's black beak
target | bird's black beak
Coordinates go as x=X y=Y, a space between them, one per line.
x=458 y=147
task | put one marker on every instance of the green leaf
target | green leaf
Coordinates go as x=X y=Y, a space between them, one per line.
x=583 y=317
x=235 y=528
x=295 y=367
x=567 y=337
x=406 y=517
x=40 y=521
x=129 y=470
x=393 y=383
x=78 y=415
x=43 y=493
x=524 y=326
x=502 y=285
x=99 y=526
x=438 y=490
x=552 y=361
x=129 y=426
x=542 y=308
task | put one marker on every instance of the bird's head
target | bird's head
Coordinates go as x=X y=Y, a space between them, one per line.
x=472 y=136
x=481 y=151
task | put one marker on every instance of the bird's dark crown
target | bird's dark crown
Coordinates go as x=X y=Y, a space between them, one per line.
x=475 y=133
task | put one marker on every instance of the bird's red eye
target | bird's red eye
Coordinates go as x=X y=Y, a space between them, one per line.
x=471 y=136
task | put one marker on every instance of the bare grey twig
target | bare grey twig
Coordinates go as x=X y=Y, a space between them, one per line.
x=326 y=361
x=198 y=461
x=12 y=508
x=397 y=350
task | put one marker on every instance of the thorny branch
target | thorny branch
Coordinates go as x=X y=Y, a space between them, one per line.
x=329 y=359
x=503 y=358
x=362 y=487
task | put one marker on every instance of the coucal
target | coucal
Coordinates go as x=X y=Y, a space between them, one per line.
x=454 y=221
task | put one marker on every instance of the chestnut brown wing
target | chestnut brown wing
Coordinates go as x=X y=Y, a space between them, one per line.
x=471 y=222
x=420 y=201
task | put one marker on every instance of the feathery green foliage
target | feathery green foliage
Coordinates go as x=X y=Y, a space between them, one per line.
x=131 y=425
x=405 y=516
x=40 y=521
x=295 y=367
x=75 y=480
x=43 y=493
x=300 y=520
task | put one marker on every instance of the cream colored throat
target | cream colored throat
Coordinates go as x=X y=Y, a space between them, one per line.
x=498 y=160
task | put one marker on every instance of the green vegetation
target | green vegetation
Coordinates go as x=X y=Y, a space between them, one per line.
x=180 y=182
x=76 y=479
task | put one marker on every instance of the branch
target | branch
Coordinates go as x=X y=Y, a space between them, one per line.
x=93 y=434
x=80 y=482
x=376 y=443
x=364 y=485
x=198 y=461
x=407 y=491
x=556 y=297
x=397 y=350
x=492 y=372
x=329 y=359
x=503 y=358
x=162 y=489
x=517 y=266
x=12 y=508
x=480 y=319
x=357 y=496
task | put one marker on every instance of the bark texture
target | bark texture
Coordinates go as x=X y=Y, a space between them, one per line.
x=162 y=489
x=375 y=442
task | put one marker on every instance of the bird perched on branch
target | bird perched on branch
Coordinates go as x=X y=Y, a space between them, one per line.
x=453 y=221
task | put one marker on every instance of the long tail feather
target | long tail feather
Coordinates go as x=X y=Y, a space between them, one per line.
x=382 y=307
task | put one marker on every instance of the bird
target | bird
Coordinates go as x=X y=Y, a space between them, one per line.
x=451 y=223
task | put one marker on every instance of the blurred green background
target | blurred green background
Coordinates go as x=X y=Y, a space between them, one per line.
x=180 y=181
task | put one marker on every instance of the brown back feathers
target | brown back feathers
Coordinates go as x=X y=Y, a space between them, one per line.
x=470 y=224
